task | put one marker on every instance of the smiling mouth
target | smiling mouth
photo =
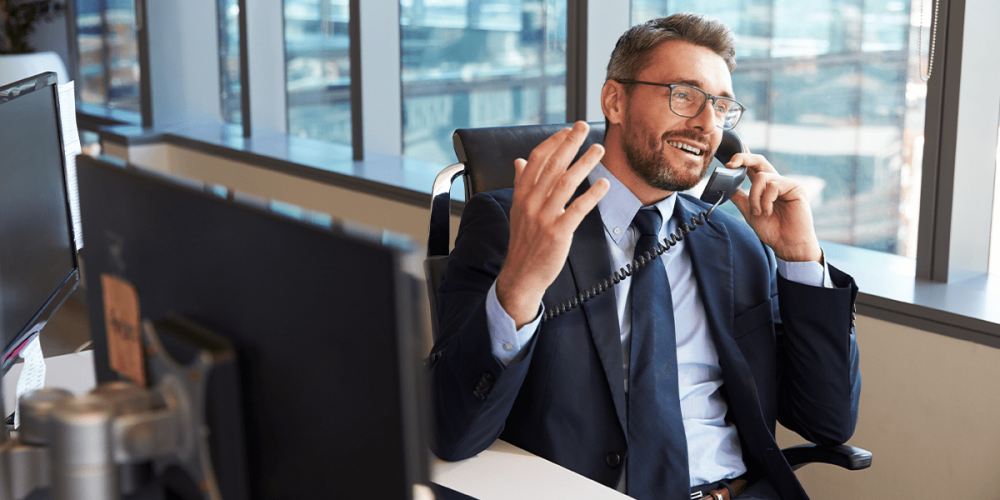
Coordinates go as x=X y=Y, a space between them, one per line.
x=685 y=147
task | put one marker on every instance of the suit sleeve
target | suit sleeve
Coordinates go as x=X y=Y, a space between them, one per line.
x=472 y=390
x=818 y=370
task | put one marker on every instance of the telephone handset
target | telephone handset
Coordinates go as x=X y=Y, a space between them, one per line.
x=725 y=181
x=721 y=186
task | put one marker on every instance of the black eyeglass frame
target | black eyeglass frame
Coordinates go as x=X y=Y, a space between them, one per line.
x=714 y=98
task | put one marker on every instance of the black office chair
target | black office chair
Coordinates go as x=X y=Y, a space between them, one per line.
x=486 y=159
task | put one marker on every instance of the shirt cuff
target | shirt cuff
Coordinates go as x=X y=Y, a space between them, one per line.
x=807 y=273
x=506 y=338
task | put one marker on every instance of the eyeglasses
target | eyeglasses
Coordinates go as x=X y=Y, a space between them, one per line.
x=688 y=101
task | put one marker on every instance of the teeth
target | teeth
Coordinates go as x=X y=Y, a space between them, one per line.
x=685 y=147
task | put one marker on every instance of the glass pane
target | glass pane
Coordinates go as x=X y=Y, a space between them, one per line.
x=229 y=60
x=479 y=63
x=108 y=54
x=834 y=100
x=994 y=265
x=317 y=65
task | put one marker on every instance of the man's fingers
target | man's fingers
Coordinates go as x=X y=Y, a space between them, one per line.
x=757 y=185
x=583 y=204
x=539 y=156
x=588 y=160
x=755 y=164
x=742 y=203
x=519 y=165
x=567 y=183
x=771 y=192
x=559 y=160
x=736 y=161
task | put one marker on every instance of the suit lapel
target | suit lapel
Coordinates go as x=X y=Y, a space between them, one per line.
x=589 y=263
x=712 y=265
x=713 y=268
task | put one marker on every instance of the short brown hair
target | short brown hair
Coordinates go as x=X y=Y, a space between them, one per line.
x=631 y=54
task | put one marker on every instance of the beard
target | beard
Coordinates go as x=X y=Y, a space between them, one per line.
x=646 y=156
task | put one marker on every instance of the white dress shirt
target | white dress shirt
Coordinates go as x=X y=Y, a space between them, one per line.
x=714 y=451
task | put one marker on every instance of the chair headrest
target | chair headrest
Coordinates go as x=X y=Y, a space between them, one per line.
x=489 y=153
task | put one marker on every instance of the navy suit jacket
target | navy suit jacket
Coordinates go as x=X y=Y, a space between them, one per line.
x=793 y=361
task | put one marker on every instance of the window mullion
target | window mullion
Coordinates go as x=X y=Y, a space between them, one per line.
x=961 y=141
x=264 y=66
x=606 y=21
x=376 y=66
x=183 y=64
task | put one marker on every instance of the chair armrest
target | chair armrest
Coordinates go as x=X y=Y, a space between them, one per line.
x=439 y=234
x=845 y=456
x=434 y=270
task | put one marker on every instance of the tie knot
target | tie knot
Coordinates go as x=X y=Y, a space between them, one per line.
x=647 y=222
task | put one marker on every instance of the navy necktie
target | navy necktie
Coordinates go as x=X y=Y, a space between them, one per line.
x=657 y=458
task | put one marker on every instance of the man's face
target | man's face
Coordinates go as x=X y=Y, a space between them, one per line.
x=667 y=151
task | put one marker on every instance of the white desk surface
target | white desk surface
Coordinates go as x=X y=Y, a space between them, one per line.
x=504 y=471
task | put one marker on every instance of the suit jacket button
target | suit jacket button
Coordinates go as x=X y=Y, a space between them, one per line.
x=613 y=459
x=483 y=387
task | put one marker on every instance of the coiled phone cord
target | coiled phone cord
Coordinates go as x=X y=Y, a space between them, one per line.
x=637 y=263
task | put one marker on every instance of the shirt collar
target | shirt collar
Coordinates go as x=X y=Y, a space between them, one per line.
x=619 y=205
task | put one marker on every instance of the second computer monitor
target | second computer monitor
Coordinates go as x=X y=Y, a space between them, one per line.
x=38 y=266
x=323 y=324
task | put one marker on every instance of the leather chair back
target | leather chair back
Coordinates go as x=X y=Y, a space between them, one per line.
x=489 y=153
x=486 y=159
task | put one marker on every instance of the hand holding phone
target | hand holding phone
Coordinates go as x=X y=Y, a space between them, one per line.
x=776 y=207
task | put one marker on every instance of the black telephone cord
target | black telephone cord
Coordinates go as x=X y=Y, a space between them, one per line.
x=637 y=263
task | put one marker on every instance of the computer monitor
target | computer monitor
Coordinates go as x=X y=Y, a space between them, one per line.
x=324 y=323
x=38 y=261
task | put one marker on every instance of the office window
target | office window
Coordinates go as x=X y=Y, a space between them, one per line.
x=108 y=57
x=836 y=101
x=229 y=60
x=317 y=65
x=994 y=264
x=479 y=63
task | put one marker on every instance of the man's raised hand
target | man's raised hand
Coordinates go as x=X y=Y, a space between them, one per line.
x=541 y=225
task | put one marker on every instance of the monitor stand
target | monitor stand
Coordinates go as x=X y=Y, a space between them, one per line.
x=125 y=441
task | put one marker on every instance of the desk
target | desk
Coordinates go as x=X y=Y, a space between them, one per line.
x=501 y=471
x=504 y=471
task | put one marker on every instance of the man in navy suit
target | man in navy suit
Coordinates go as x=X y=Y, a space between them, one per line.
x=759 y=326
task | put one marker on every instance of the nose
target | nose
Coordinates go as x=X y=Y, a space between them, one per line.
x=704 y=121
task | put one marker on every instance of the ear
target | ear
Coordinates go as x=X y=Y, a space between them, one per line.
x=613 y=101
